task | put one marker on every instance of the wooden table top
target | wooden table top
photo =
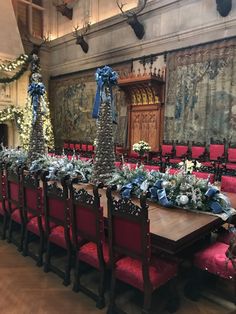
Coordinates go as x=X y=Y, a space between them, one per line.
x=174 y=229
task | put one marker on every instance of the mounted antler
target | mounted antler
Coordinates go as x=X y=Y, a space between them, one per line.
x=132 y=18
x=64 y=9
x=224 y=7
x=80 y=37
x=37 y=43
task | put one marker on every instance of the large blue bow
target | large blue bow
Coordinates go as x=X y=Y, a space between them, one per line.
x=218 y=202
x=158 y=193
x=36 y=90
x=105 y=77
x=126 y=189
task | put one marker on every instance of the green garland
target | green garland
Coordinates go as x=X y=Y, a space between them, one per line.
x=10 y=113
x=24 y=66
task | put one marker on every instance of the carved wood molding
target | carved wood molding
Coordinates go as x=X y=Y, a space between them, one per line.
x=142 y=90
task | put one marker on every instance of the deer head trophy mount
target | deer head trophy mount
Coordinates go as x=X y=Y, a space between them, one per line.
x=132 y=18
x=223 y=7
x=64 y=9
x=80 y=37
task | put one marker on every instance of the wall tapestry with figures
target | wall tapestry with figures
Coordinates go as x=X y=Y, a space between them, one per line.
x=72 y=99
x=201 y=93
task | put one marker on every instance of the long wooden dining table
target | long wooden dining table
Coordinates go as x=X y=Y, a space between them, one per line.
x=175 y=229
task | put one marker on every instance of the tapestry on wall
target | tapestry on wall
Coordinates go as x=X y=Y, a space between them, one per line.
x=201 y=93
x=72 y=101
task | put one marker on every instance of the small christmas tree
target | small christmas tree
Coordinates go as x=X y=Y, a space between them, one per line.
x=37 y=142
x=36 y=129
x=104 y=156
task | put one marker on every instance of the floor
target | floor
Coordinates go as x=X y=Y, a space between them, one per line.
x=26 y=289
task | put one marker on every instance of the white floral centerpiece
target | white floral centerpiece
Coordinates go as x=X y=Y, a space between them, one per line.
x=189 y=165
x=141 y=148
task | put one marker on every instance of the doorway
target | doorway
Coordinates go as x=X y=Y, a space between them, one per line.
x=4 y=134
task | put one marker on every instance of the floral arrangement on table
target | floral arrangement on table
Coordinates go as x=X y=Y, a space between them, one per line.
x=141 y=148
x=57 y=166
x=171 y=190
x=189 y=165
x=14 y=157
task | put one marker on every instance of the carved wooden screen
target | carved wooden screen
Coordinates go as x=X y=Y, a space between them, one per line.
x=145 y=97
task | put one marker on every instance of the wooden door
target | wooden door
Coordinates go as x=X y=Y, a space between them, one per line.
x=146 y=125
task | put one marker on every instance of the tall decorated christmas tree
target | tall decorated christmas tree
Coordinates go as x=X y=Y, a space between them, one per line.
x=104 y=112
x=39 y=111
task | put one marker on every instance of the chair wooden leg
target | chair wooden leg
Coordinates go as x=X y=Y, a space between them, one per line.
x=47 y=258
x=147 y=302
x=112 y=305
x=25 y=243
x=76 y=284
x=234 y=282
x=101 y=290
x=9 y=237
x=192 y=289
x=4 y=230
x=66 y=281
x=22 y=232
x=174 y=300
x=40 y=252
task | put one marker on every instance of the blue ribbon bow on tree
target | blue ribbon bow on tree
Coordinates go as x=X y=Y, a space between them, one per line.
x=36 y=90
x=105 y=77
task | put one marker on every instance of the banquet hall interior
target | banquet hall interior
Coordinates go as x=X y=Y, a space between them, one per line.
x=118 y=156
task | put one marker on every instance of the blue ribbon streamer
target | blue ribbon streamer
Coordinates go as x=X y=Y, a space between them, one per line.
x=158 y=193
x=36 y=90
x=105 y=77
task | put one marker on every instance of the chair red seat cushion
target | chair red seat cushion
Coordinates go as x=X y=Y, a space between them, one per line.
x=213 y=259
x=17 y=217
x=175 y=160
x=57 y=236
x=230 y=166
x=33 y=227
x=129 y=270
x=150 y=168
x=88 y=254
x=204 y=175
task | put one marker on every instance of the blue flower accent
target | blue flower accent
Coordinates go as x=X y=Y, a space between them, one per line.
x=36 y=90
x=105 y=77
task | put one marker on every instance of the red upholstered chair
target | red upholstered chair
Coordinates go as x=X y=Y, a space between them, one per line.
x=84 y=147
x=90 y=148
x=231 y=157
x=217 y=151
x=167 y=149
x=77 y=147
x=213 y=259
x=33 y=213
x=117 y=164
x=198 y=151
x=181 y=151
x=152 y=168
x=130 y=250
x=228 y=183
x=88 y=225
x=66 y=145
x=130 y=165
x=56 y=210
x=205 y=175
x=14 y=208
x=3 y=203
